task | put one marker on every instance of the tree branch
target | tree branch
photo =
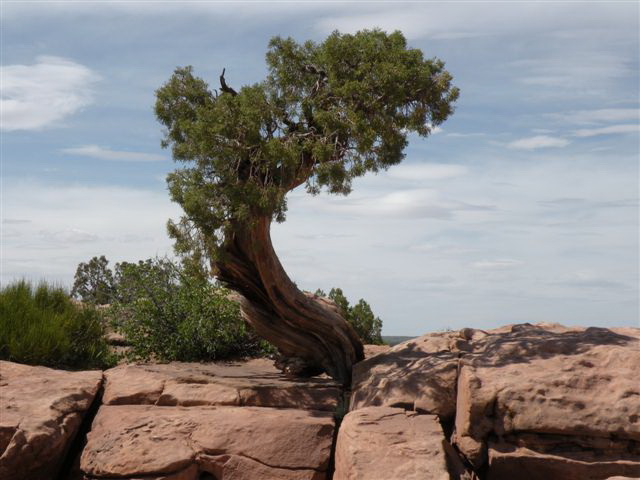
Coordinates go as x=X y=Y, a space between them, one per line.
x=224 y=87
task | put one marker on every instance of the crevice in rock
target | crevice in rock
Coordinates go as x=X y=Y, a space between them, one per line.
x=341 y=410
x=70 y=468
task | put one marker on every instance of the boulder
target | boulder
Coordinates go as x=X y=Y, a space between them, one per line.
x=41 y=410
x=383 y=443
x=253 y=383
x=240 y=443
x=546 y=401
x=419 y=374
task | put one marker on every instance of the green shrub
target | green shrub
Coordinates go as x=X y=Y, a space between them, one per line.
x=360 y=316
x=42 y=326
x=167 y=315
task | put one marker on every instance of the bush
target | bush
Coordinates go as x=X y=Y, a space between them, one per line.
x=168 y=315
x=43 y=326
x=364 y=322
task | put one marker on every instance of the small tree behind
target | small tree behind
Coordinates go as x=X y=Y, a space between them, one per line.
x=93 y=282
x=360 y=316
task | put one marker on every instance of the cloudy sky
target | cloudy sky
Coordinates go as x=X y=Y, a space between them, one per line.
x=522 y=207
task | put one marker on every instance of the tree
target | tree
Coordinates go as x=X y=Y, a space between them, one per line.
x=93 y=282
x=326 y=114
x=360 y=317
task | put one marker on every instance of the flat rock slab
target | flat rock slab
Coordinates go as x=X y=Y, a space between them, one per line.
x=40 y=412
x=419 y=374
x=253 y=383
x=569 y=462
x=552 y=389
x=383 y=443
x=241 y=443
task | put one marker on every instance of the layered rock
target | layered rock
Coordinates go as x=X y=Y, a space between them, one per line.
x=41 y=410
x=383 y=443
x=132 y=441
x=538 y=399
x=252 y=383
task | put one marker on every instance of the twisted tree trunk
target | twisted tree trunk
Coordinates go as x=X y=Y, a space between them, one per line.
x=300 y=325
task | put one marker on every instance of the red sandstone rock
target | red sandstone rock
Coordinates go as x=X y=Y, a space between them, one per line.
x=253 y=383
x=132 y=441
x=40 y=412
x=419 y=374
x=382 y=443
x=372 y=350
x=562 y=399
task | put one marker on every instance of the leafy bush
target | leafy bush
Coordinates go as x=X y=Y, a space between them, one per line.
x=42 y=326
x=168 y=315
x=365 y=323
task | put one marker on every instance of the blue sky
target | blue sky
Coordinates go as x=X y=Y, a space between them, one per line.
x=522 y=207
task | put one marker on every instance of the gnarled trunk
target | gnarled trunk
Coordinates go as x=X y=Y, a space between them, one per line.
x=299 y=324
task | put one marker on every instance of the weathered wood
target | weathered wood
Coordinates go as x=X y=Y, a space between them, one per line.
x=301 y=325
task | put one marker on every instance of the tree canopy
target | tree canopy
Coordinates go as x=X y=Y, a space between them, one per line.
x=326 y=113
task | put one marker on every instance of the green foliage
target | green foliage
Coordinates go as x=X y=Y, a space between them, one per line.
x=326 y=113
x=93 y=282
x=367 y=326
x=168 y=315
x=42 y=326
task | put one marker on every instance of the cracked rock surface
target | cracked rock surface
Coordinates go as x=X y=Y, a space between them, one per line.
x=381 y=443
x=135 y=441
x=40 y=412
x=522 y=401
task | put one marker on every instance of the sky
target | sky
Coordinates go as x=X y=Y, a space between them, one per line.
x=521 y=207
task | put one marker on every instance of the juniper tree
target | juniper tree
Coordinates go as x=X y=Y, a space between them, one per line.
x=325 y=114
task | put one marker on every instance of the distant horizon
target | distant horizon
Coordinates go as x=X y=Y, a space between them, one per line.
x=522 y=207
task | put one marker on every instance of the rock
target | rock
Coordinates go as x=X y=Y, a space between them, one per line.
x=128 y=441
x=383 y=443
x=549 y=400
x=419 y=374
x=253 y=383
x=562 y=458
x=372 y=350
x=41 y=410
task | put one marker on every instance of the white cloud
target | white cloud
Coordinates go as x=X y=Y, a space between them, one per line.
x=456 y=20
x=427 y=171
x=71 y=223
x=602 y=115
x=465 y=135
x=502 y=264
x=412 y=203
x=588 y=279
x=612 y=129
x=41 y=95
x=69 y=235
x=539 y=141
x=101 y=153
x=568 y=71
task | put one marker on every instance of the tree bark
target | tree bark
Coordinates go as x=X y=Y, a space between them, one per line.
x=301 y=325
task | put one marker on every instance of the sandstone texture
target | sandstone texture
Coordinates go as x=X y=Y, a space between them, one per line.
x=419 y=374
x=41 y=410
x=523 y=401
x=382 y=443
x=568 y=395
x=132 y=441
x=253 y=383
